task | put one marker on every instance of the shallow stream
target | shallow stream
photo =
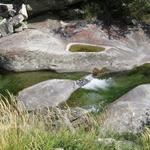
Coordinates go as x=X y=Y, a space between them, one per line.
x=90 y=97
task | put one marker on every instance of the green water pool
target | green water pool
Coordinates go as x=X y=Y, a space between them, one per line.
x=15 y=82
x=85 y=48
x=122 y=83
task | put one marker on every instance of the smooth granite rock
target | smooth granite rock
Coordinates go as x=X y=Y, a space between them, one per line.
x=131 y=112
x=47 y=94
x=39 y=49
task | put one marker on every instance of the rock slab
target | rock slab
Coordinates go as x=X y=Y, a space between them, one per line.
x=40 y=49
x=47 y=94
x=131 y=112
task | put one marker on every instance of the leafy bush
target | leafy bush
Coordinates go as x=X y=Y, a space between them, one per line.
x=120 y=9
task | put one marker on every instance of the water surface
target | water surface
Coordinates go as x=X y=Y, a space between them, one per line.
x=15 y=82
x=122 y=82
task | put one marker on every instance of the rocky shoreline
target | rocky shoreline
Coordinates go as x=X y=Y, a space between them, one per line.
x=44 y=46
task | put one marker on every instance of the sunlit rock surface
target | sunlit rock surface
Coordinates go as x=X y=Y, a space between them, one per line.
x=38 y=49
x=47 y=94
x=131 y=112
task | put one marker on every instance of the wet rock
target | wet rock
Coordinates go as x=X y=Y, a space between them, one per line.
x=131 y=112
x=82 y=82
x=47 y=94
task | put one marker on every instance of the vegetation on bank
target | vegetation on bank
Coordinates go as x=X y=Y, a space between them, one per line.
x=20 y=131
x=109 y=10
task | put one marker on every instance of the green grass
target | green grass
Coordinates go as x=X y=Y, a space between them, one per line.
x=42 y=140
x=20 y=131
x=85 y=48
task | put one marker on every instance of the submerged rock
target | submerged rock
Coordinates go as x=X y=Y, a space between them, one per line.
x=131 y=112
x=47 y=94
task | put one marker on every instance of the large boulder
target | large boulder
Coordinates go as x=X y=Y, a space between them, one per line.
x=37 y=49
x=43 y=47
x=47 y=94
x=131 y=112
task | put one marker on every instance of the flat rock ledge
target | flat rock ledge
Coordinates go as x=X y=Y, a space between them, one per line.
x=39 y=49
x=131 y=112
x=47 y=94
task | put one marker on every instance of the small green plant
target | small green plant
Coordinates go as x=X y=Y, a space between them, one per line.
x=144 y=139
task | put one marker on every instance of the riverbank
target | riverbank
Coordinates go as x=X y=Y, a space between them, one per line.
x=22 y=131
